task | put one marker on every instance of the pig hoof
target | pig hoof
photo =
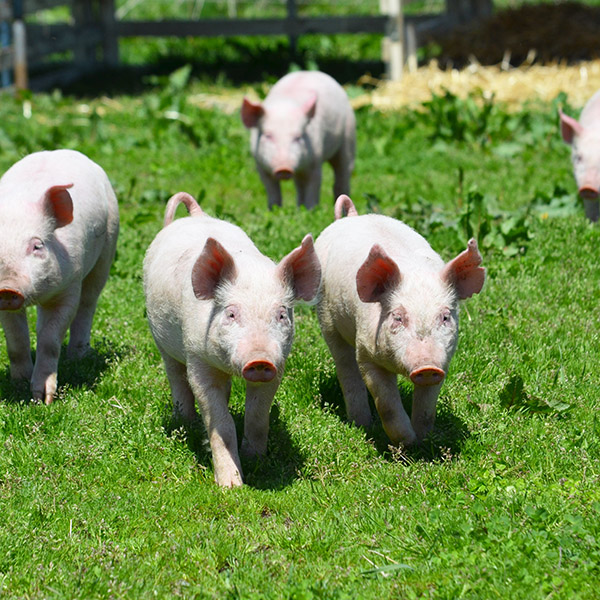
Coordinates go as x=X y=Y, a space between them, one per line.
x=229 y=480
x=250 y=450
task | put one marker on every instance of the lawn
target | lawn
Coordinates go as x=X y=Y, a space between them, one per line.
x=103 y=496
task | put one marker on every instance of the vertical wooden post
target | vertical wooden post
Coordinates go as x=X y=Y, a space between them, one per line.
x=85 y=55
x=393 y=44
x=110 y=44
x=20 y=47
x=291 y=21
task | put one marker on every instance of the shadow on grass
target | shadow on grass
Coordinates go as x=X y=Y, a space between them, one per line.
x=446 y=439
x=74 y=373
x=238 y=62
x=274 y=471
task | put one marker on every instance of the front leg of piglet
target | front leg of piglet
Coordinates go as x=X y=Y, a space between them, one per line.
x=272 y=187
x=259 y=397
x=423 y=409
x=16 y=332
x=211 y=388
x=308 y=186
x=53 y=320
x=383 y=386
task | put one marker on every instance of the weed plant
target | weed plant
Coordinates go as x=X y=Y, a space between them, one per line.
x=103 y=496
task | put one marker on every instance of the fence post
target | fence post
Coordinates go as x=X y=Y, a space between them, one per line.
x=84 y=54
x=393 y=42
x=291 y=21
x=110 y=43
x=20 y=47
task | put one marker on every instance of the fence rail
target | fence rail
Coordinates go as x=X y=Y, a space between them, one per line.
x=90 y=38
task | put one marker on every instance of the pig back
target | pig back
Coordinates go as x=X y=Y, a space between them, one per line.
x=343 y=247
x=334 y=115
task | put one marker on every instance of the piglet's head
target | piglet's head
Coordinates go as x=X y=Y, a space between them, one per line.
x=28 y=261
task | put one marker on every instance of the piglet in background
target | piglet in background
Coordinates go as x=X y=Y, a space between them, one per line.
x=584 y=139
x=388 y=305
x=59 y=222
x=305 y=120
x=217 y=307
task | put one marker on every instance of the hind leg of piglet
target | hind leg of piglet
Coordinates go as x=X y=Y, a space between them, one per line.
x=16 y=332
x=383 y=386
x=423 y=409
x=351 y=381
x=81 y=327
x=184 y=403
x=211 y=388
x=52 y=324
x=259 y=397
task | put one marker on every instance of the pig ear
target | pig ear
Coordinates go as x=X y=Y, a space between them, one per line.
x=214 y=266
x=57 y=204
x=309 y=106
x=251 y=113
x=464 y=272
x=569 y=127
x=302 y=270
x=377 y=275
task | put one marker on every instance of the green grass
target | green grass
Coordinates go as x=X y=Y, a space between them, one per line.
x=102 y=496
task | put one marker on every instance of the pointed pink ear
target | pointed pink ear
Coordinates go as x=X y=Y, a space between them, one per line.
x=569 y=127
x=302 y=270
x=309 y=106
x=377 y=275
x=58 y=204
x=251 y=113
x=212 y=267
x=464 y=272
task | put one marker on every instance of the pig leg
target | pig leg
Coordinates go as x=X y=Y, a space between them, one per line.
x=272 y=187
x=383 y=386
x=184 y=403
x=259 y=398
x=308 y=187
x=592 y=209
x=92 y=285
x=351 y=382
x=16 y=332
x=211 y=388
x=343 y=165
x=423 y=409
x=52 y=324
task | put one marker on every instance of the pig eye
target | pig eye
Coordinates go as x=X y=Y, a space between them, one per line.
x=577 y=158
x=282 y=315
x=399 y=318
x=36 y=247
x=231 y=314
x=446 y=317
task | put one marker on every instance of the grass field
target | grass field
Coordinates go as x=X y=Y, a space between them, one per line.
x=102 y=496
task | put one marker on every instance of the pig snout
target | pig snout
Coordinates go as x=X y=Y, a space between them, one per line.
x=428 y=375
x=259 y=371
x=11 y=299
x=282 y=174
x=588 y=192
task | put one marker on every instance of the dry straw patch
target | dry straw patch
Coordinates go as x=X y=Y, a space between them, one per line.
x=512 y=86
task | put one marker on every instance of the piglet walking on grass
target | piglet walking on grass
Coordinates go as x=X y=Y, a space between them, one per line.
x=305 y=120
x=584 y=139
x=59 y=223
x=217 y=307
x=388 y=304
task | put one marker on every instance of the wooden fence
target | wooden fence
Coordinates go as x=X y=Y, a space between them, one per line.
x=59 y=53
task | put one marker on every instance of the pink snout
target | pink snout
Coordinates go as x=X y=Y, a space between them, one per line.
x=587 y=192
x=427 y=376
x=11 y=299
x=281 y=174
x=259 y=371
